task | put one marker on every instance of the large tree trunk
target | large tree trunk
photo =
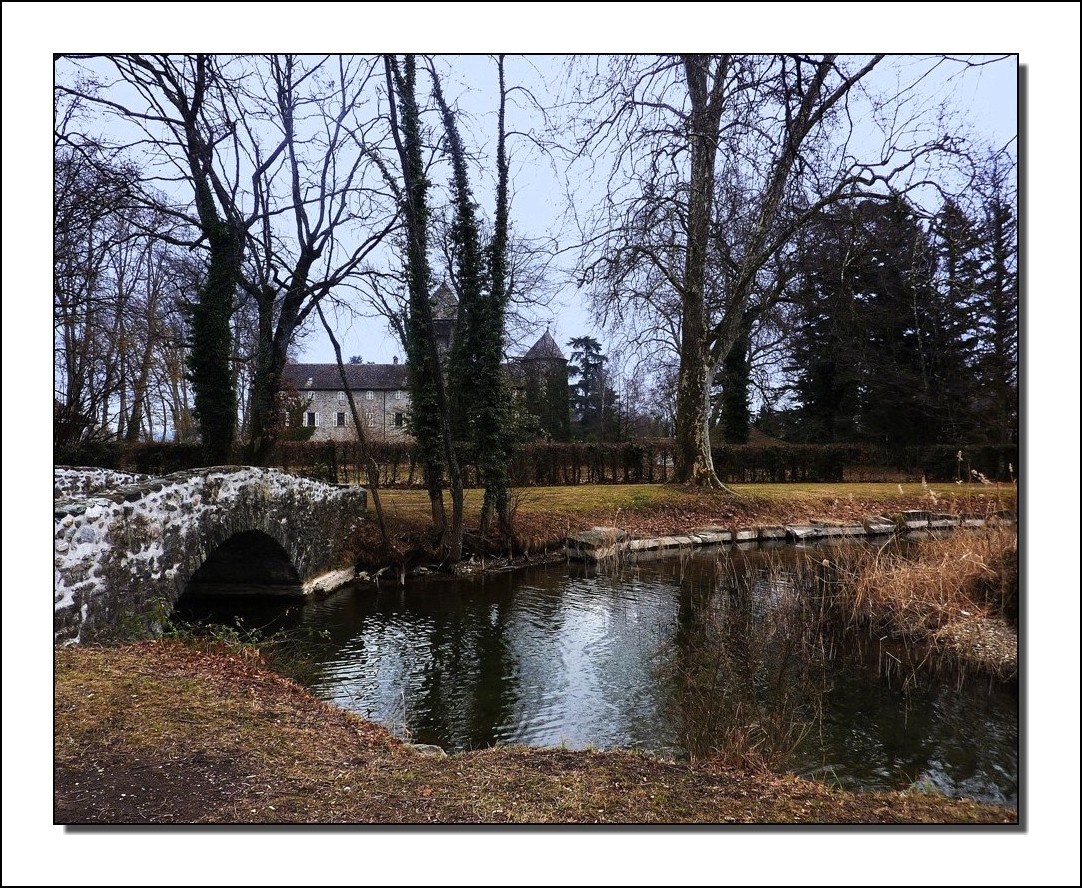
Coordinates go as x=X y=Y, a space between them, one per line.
x=693 y=462
x=266 y=383
x=212 y=344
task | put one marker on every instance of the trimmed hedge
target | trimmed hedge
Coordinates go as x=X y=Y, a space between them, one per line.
x=650 y=461
x=556 y=463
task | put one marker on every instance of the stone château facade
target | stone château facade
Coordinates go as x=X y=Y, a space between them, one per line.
x=381 y=391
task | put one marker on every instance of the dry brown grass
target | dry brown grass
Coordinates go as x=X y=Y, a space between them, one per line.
x=160 y=733
x=958 y=593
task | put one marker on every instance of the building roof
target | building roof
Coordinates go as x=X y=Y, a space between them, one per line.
x=544 y=349
x=393 y=377
x=361 y=377
x=444 y=304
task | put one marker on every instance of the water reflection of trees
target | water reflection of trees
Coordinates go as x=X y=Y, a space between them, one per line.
x=925 y=730
x=718 y=654
x=748 y=668
x=468 y=688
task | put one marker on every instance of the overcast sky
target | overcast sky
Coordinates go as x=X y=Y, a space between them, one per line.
x=981 y=102
x=984 y=98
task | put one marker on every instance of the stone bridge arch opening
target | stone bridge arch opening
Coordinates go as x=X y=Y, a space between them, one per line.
x=250 y=562
x=127 y=549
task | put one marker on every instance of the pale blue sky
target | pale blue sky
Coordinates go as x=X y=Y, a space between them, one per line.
x=984 y=99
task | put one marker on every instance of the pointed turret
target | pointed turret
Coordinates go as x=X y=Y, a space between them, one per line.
x=545 y=349
x=444 y=316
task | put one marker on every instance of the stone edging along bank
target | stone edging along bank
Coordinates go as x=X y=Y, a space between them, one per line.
x=600 y=543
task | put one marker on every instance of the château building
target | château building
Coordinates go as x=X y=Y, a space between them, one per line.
x=381 y=391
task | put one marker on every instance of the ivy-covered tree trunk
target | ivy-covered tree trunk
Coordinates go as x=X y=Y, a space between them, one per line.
x=430 y=416
x=210 y=354
x=479 y=388
x=209 y=363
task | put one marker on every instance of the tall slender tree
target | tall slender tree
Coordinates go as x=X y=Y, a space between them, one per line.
x=430 y=419
x=480 y=394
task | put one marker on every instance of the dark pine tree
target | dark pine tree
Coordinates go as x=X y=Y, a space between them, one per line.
x=880 y=350
x=588 y=394
x=997 y=320
x=828 y=345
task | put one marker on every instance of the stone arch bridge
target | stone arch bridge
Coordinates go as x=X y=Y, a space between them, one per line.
x=126 y=547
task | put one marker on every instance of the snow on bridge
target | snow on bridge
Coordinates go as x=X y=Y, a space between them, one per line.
x=126 y=547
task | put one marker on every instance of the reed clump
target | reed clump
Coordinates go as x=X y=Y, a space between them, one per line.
x=959 y=594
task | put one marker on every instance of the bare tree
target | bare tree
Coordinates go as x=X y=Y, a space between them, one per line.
x=716 y=164
x=339 y=212
x=269 y=160
x=186 y=115
x=87 y=197
x=117 y=288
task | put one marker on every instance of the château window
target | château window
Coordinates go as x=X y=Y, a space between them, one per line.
x=369 y=396
x=398 y=396
x=398 y=420
x=311 y=419
x=340 y=419
x=341 y=397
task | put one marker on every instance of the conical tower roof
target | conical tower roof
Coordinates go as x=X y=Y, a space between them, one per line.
x=444 y=304
x=544 y=349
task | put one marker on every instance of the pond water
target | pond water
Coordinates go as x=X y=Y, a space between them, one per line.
x=675 y=655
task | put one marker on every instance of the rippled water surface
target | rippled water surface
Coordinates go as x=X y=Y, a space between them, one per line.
x=648 y=657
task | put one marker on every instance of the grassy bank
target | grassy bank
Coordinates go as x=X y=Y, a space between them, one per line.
x=544 y=516
x=161 y=733
x=939 y=598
